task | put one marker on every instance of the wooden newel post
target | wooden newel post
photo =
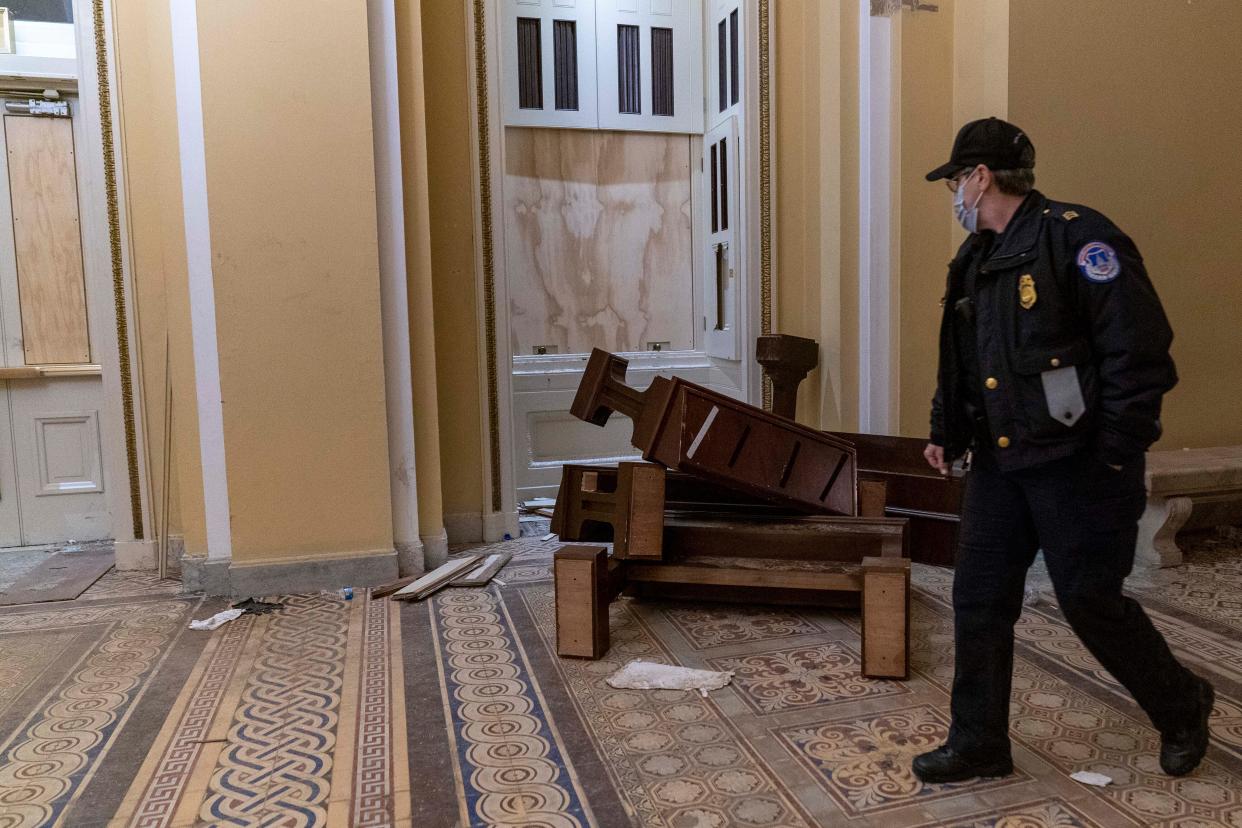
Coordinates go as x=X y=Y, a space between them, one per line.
x=786 y=361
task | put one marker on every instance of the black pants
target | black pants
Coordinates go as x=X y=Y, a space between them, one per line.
x=1084 y=516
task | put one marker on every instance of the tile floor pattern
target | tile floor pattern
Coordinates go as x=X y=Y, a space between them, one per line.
x=456 y=712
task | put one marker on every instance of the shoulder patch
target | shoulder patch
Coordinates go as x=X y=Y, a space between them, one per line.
x=1098 y=262
x=1070 y=215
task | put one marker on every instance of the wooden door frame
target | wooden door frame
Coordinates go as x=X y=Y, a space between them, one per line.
x=495 y=349
x=107 y=269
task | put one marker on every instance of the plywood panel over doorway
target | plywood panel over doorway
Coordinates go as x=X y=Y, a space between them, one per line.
x=598 y=240
x=47 y=239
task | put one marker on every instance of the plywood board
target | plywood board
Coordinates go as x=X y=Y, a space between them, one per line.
x=598 y=239
x=47 y=239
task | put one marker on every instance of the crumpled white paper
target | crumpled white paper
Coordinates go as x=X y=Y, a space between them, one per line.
x=648 y=675
x=1091 y=778
x=219 y=619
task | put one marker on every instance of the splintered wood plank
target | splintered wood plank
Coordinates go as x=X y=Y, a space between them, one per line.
x=47 y=239
x=435 y=579
x=485 y=571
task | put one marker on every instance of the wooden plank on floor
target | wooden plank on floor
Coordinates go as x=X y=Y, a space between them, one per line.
x=61 y=577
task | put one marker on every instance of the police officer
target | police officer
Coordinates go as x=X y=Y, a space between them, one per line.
x=1054 y=356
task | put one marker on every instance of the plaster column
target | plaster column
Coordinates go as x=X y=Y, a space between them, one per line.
x=418 y=264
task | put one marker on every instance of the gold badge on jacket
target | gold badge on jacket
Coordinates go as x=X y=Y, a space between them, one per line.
x=1026 y=292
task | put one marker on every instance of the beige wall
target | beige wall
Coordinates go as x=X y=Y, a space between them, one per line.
x=816 y=153
x=148 y=133
x=1136 y=114
x=452 y=255
x=290 y=180
x=925 y=218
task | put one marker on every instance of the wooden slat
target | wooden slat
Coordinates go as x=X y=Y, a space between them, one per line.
x=484 y=571
x=47 y=238
x=666 y=573
x=435 y=579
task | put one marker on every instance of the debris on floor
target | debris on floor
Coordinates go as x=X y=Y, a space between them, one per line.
x=256 y=607
x=648 y=675
x=218 y=620
x=1091 y=778
x=485 y=571
x=435 y=579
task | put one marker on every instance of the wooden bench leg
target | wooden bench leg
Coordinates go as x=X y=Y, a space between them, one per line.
x=582 y=597
x=1158 y=528
x=886 y=618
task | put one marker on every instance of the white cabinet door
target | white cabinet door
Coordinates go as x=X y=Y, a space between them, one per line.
x=547 y=64
x=650 y=59
x=721 y=270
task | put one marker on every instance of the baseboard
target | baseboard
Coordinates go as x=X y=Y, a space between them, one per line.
x=466 y=527
x=136 y=555
x=411 y=557
x=496 y=525
x=476 y=527
x=435 y=549
x=294 y=575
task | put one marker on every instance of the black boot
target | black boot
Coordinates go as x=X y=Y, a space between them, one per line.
x=1183 y=750
x=944 y=764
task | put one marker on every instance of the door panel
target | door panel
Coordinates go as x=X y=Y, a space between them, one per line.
x=44 y=195
x=10 y=520
x=60 y=480
x=51 y=454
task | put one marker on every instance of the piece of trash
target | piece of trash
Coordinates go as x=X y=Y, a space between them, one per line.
x=648 y=675
x=254 y=607
x=548 y=537
x=1091 y=778
x=498 y=581
x=219 y=619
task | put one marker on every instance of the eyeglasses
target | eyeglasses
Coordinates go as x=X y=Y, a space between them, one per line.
x=957 y=180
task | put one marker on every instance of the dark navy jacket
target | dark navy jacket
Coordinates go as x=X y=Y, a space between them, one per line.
x=1073 y=344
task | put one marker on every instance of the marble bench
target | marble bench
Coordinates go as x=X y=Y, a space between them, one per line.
x=1190 y=488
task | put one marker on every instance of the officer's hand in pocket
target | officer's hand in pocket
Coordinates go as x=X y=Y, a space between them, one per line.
x=934 y=455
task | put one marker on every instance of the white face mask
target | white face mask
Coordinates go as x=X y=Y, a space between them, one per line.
x=968 y=217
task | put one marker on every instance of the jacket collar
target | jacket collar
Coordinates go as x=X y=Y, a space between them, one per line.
x=1022 y=232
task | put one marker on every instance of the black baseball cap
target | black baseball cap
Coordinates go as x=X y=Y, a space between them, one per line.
x=997 y=144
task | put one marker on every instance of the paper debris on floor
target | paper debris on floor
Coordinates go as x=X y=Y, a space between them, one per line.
x=1091 y=778
x=219 y=619
x=647 y=675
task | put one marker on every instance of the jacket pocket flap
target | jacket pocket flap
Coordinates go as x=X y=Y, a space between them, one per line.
x=1038 y=360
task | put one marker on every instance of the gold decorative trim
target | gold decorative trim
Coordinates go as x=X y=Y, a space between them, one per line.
x=489 y=251
x=118 y=269
x=765 y=184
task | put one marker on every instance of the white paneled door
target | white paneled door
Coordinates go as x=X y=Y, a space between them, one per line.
x=51 y=454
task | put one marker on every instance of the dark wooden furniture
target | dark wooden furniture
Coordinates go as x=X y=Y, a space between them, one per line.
x=693 y=429
x=786 y=361
x=913 y=490
x=714 y=544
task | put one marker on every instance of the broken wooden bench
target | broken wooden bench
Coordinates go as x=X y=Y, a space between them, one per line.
x=676 y=536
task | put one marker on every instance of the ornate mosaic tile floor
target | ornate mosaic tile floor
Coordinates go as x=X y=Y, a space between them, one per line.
x=456 y=712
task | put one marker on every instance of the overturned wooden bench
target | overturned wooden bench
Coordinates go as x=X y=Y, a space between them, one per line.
x=677 y=537
x=1187 y=489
